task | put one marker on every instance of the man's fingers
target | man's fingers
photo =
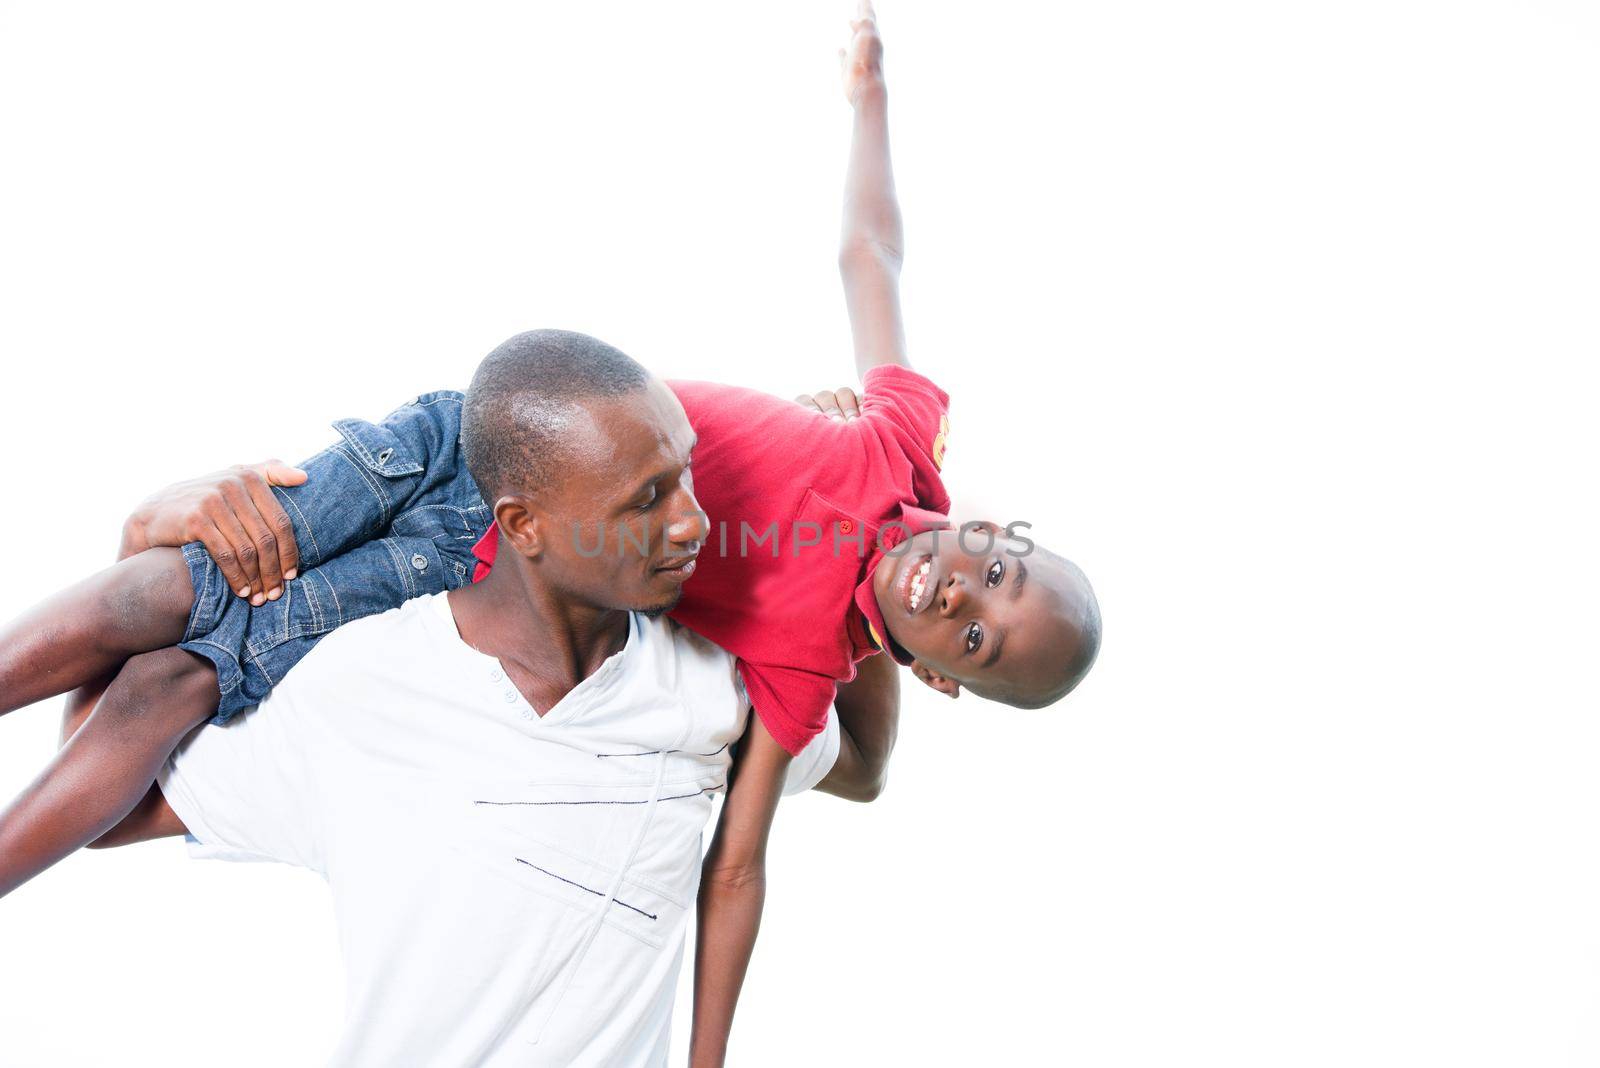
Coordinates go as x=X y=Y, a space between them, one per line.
x=229 y=518
x=276 y=520
x=222 y=551
x=828 y=404
x=247 y=501
x=278 y=473
x=841 y=404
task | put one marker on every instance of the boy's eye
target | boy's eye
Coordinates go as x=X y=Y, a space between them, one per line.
x=996 y=572
x=974 y=637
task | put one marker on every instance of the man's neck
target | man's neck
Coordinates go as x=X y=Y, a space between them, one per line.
x=546 y=643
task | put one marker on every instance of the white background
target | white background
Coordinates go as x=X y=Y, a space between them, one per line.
x=1279 y=318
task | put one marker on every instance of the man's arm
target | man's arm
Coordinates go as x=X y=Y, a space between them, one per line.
x=236 y=516
x=871 y=244
x=733 y=888
x=869 y=705
x=869 y=719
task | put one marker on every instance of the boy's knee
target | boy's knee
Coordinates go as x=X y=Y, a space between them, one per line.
x=151 y=597
x=168 y=684
x=172 y=671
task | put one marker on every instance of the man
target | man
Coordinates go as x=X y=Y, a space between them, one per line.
x=505 y=785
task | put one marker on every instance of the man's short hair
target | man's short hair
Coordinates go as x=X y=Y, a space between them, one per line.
x=520 y=403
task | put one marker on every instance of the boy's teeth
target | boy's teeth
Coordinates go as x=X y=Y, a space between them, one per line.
x=919 y=583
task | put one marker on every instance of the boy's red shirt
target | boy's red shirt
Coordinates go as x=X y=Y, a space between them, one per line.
x=772 y=474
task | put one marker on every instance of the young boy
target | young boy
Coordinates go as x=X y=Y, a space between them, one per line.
x=829 y=542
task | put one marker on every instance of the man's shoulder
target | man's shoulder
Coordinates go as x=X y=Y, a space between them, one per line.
x=673 y=639
x=694 y=659
x=686 y=643
x=377 y=644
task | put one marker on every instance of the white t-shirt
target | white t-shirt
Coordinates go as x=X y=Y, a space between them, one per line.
x=509 y=889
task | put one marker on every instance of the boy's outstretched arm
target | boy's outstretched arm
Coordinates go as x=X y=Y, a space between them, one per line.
x=871 y=244
x=733 y=888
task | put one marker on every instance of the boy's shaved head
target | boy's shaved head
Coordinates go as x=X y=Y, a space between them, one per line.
x=522 y=399
x=1069 y=631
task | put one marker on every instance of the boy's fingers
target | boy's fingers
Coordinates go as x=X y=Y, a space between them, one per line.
x=864 y=10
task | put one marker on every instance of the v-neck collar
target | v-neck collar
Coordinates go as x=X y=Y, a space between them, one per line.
x=601 y=682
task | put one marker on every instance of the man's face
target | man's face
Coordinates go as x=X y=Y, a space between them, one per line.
x=622 y=528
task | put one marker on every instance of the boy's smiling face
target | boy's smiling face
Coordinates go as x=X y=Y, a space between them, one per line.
x=1007 y=621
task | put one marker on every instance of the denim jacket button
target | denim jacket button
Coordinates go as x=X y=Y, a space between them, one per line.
x=419 y=562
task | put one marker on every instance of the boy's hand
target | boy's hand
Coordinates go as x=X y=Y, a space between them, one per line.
x=841 y=404
x=861 y=61
x=235 y=514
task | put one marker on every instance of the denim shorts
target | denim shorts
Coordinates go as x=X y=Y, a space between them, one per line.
x=387 y=513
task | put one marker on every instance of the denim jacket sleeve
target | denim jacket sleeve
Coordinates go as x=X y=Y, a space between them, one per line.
x=358 y=486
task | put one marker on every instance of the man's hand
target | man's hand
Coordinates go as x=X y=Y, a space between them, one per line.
x=841 y=404
x=236 y=516
x=861 y=61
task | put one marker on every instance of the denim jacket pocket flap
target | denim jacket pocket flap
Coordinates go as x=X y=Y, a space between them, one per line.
x=379 y=449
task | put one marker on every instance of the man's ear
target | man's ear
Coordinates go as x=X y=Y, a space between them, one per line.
x=522 y=524
x=947 y=686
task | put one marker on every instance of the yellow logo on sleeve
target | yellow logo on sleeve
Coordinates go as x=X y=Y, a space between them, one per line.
x=938 y=441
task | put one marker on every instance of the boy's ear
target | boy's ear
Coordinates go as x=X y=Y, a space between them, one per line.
x=521 y=524
x=947 y=686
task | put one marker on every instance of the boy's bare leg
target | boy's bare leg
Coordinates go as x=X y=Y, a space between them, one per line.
x=106 y=767
x=80 y=703
x=152 y=817
x=140 y=604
